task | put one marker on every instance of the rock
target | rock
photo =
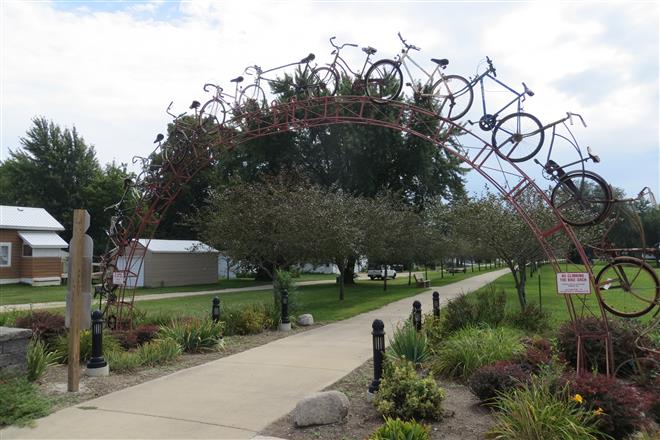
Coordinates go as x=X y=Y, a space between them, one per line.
x=305 y=320
x=321 y=409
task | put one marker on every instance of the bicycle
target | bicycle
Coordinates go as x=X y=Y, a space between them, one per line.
x=254 y=93
x=628 y=286
x=385 y=81
x=327 y=77
x=219 y=103
x=581 y=197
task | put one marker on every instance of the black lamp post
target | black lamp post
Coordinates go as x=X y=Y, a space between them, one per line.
x=378 y=335
x=417 y=315
x=215 y=310
x=97 y=360
x=436 y=304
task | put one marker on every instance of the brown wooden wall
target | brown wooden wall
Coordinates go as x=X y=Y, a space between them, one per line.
x=41 y=267
x=11 y=236
x=27 y=267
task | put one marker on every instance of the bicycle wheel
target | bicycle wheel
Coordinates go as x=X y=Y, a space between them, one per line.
x=212 y=111
x=518 y=137
x=454 y=97
x=582 y=198
x=252 y=96
x=384 y=81
x=325 y=81
x=628 y=287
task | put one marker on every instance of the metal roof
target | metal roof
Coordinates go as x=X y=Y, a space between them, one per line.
x=43 y=239
x=33 y=219
x=176 y=246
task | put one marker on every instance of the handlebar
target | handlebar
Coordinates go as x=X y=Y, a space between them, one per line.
x=408 y=46
x=570 y=115
x=169 y=107
x=343 y=45
x=491 y=68
x=218 y=89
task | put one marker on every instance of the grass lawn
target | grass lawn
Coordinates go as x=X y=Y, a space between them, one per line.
x=25 y=294
x=549 y=300
x=322 y=301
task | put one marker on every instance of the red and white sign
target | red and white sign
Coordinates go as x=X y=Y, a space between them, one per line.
x=573 y=283
x=118 y=278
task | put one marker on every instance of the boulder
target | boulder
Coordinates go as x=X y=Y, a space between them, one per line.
x=321 y=409
x=305 y=320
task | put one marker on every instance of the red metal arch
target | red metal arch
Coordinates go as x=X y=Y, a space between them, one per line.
x=160 y=188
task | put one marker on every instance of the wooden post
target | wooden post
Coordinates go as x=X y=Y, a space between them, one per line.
x=76 y=261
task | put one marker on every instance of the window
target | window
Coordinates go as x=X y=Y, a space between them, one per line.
x=5 y=254
x=27 y=250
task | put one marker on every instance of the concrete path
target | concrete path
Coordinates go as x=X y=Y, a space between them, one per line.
x=237 y=396
x=157 y=296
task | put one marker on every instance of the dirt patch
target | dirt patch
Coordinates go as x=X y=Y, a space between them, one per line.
x=464 y=417
x=54 y=382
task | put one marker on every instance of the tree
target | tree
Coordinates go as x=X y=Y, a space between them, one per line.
x=492 y=222
x=56 y=170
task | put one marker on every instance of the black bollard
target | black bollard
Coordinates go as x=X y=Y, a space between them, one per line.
x=285 y=325
x=97 y=360
x=378 y=335
x=436 y=304
x=215 y=310
x=417 y=315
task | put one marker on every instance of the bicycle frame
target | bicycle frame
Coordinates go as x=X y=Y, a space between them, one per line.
x=340 y=63
x=551 y=166
x=260 y=72
x=401 y=61
x=519 y=97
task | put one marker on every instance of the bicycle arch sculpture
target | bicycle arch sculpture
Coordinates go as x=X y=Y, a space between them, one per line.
x=202 y=137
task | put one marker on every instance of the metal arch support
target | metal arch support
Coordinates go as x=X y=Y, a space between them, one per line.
x=509 y=179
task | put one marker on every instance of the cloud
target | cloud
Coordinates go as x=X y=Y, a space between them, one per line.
x=112 y=68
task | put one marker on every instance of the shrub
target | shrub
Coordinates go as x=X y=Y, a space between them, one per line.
x=159 y=351
x=45 y=325
x=20 y=401
x=530 y=318
x=535 y=412
x=486 y=306
x=146 y=333
x=248 y=319
x=284 y=280
x=123 y=361
x=403 y=394
x=194 y=336
x=62 y=346
x=489 y=381
x=625 y=340
x=397 y=429
x=537 y=355
x=38 y=359
x=409 y=344
x=457 y=314
x=474 y=347
x=621 y=403
x=8 y=319
x=490 y=306
x=127 y=339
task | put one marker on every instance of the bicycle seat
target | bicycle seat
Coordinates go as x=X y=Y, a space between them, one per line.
x=369 y=50
x=442 y=62
x=237 y=79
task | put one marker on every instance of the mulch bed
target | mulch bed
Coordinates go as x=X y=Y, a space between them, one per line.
x=464 y=417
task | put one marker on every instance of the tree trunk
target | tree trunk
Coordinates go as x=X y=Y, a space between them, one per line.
x=349 y=271
x=341 y=284
x=410 y=276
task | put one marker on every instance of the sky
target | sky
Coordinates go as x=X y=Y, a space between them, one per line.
x=111 y=68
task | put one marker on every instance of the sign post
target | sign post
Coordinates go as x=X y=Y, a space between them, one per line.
x=79 y=292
